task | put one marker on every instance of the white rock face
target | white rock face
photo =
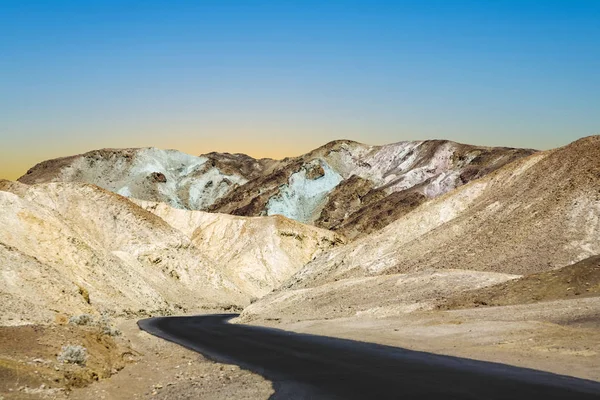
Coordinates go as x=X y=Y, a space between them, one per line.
x=302 y=198
x=179 y=179
x=385 y=164
x=206 y=188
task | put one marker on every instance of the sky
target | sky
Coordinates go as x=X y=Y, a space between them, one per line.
x=279 y=78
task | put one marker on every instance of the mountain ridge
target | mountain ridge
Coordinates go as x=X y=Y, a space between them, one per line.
x=308 y=188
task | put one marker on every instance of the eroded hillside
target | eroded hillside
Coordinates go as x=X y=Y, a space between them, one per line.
x=70 y=248
x=343 y=186
x=536 y=214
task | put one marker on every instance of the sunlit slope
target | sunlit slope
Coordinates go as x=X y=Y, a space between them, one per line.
x=256 y=253
x=72 y=248
x=536 y=214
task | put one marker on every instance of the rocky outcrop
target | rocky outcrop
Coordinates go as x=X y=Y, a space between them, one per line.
x=158 y=177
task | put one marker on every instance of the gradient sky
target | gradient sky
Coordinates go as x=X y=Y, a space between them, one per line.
x=278 y=78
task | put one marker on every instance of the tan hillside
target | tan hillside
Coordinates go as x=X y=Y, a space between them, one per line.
x=534 y=215
x=369 y=297
x=71 y=248
x=257 y=253
x=578 y=280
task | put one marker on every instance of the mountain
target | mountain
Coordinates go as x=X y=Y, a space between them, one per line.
x=344 y=186
x=480 y=253
x=72 y=248
x=536 y=214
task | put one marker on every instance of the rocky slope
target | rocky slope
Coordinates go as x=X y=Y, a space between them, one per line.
x=578 y=280
x=70 y=248
x=168 y=176
x=345 y=186
x=536 y=214
x=258 y=254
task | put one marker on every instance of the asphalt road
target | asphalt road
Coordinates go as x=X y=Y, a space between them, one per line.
x=317 y=367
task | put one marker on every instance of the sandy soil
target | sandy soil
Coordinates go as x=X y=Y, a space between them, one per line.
x=167 y=371
x=134 y=365
x=29 y=365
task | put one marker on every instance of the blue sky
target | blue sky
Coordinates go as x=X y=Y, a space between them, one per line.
x=277 y=78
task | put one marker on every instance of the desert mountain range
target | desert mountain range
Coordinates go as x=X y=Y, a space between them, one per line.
x=347 y=228
x=343 y=186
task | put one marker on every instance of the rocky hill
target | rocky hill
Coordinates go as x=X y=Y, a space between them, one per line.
x=344 y=186
x=72 y=248
x=537 y=214
x=257 y=253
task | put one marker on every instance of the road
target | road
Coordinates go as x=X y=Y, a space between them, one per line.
x=316 y=367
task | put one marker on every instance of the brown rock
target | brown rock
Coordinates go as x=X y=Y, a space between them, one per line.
x=158 y=177
x=315 y=172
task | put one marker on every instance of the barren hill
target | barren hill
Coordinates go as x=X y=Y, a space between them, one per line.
x=578 y=280
x=416 y=232
x=344 y=186
x=70 y=248
x=168 y=176
x=536 y=214
x=257 y=253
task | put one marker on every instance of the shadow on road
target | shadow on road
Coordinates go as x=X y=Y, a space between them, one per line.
x=317 y=367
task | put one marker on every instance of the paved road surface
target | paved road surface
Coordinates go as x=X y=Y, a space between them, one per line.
x=317 y=367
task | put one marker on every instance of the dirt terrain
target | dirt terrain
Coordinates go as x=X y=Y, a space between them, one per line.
x=133 y=365
x=579 y=280
x=167 y=371
x=29 y=364
x=546 y=336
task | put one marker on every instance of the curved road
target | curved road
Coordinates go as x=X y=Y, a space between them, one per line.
x=317 y=367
